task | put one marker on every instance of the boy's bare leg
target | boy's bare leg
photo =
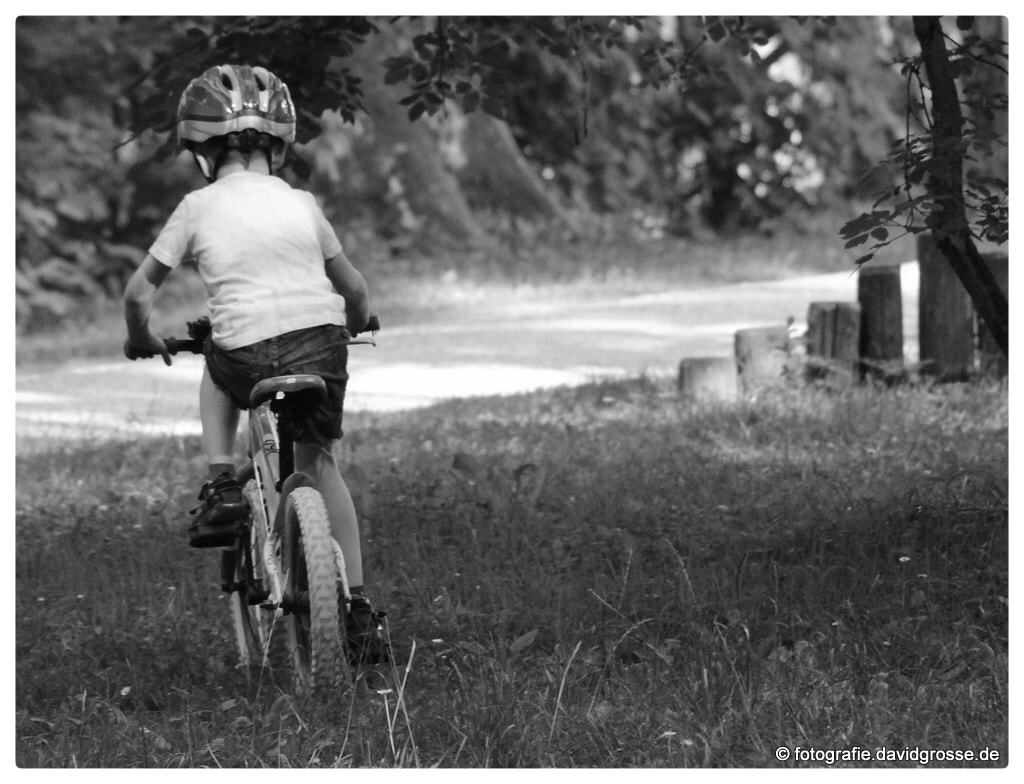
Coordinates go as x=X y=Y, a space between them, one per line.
x=319 y=463
x=219 y=417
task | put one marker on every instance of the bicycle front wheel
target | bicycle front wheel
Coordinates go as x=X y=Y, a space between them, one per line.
x=311 y=591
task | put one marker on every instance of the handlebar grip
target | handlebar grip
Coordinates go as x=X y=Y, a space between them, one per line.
x=178 y=345
x=194 y=344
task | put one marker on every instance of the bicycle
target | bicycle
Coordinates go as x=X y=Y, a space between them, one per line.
x=285 y=574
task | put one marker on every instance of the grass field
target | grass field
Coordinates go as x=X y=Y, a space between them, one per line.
x=605 y=576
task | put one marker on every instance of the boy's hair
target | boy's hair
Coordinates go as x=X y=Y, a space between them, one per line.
x=247 y=143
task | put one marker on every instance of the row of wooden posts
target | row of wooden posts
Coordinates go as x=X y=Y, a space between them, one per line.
x=848 y=342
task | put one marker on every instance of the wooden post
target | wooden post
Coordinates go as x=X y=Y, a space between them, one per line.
x=833 y=339
x=881 y=320
x=708 y=378
x=946 y=316
x=761 y=355
x=990 y=358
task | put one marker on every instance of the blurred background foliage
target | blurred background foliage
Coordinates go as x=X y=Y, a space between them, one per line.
x=434 y=136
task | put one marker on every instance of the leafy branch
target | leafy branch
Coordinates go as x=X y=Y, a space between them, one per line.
x=913 y=207
x=470 y=61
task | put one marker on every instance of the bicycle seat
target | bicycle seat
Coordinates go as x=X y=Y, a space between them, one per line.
x=268 y=388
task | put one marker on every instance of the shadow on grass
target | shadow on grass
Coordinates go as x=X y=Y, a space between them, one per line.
x=601 y=576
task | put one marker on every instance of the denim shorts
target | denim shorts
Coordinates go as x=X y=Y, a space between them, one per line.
x=321 y=350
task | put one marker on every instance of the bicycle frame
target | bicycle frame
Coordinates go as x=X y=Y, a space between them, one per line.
x=271 y=463
x=264 y=465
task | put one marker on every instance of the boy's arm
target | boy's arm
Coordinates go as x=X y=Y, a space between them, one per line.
x=138 y=302
x=350 y=284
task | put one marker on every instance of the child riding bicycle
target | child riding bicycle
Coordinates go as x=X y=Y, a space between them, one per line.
x=283 y=299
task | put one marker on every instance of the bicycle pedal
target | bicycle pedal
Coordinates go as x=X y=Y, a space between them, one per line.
x=210 y=535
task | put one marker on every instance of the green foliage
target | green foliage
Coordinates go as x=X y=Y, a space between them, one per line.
x=307 y=52
x=596 y=577
x=471 y=61
x=724 y=141
x=719 y=139
x=77 y=220
x=912 y=206
x=686 y=123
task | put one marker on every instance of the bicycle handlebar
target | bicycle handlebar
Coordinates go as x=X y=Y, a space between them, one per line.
x=197 y=331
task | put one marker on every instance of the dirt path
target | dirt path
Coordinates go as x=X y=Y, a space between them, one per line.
x=508 y=349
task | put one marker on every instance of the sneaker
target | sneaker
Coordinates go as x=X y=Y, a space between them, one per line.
x=219 y=516
x=366 y=638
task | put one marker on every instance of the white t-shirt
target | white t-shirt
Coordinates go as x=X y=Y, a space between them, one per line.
x=260 y=246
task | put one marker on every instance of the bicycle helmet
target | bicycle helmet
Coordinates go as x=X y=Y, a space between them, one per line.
x=240 y=106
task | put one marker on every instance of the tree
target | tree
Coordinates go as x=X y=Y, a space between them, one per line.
x=431 y=188
x=935 y=162
x=720 y=139
x=320 y=58
x=934 y=196
x=75 y=183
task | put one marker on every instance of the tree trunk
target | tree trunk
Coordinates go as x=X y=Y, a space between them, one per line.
x=496 y=173
x=948 y=223
x=430 y=188
x=946 y=316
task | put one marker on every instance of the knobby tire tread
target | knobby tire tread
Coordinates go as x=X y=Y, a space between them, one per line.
x=322 y=665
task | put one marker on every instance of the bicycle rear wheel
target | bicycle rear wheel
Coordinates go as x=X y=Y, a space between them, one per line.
x=311 y=592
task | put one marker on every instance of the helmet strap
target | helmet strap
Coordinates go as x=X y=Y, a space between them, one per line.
x=209 y=158
x=204 y=166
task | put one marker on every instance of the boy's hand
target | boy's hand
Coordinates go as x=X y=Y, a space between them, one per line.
x=353 y=330
x=146 y=346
